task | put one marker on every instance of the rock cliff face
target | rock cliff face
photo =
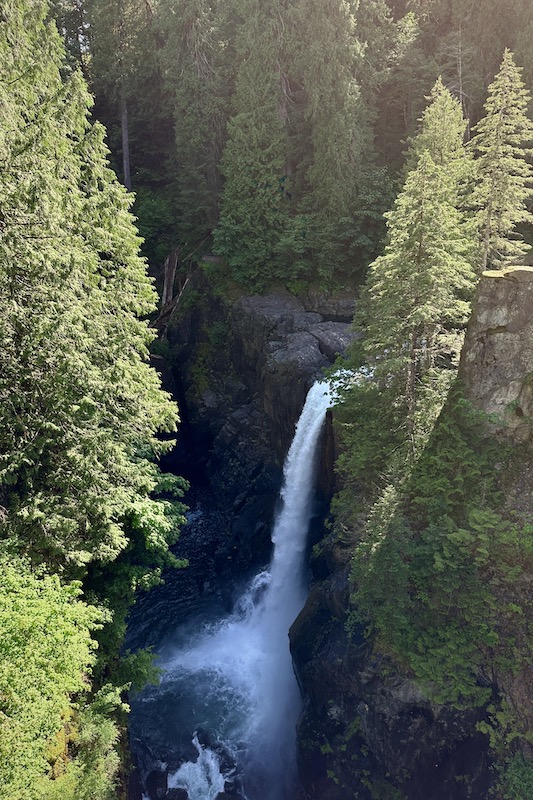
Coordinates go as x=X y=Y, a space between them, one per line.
x=242 y=369
x=497 y=372
x=367 y=731
x=497 y=358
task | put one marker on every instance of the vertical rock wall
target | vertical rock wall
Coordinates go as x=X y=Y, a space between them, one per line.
x=497 y=358
x=497 y=372
x=242 y=369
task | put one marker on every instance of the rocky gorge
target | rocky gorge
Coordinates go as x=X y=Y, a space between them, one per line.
x=242 y=369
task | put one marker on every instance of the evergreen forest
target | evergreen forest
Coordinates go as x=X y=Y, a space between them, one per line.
x=155 y=150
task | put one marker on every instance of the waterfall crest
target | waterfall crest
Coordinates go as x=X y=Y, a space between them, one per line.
x=237 y=674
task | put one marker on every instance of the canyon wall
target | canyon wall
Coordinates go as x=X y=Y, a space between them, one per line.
x=244 y=366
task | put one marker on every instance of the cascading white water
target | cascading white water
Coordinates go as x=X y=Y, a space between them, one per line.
x=240 y=669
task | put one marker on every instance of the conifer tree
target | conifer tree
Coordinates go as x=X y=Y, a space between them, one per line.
x=79 y=405
x=416 y=296
x=254 y=200
x=331 y=135
x=409 y=328
x=504 y=182
x=442 y=133
x=198 y=61
x=72 y=22
x=123 y=65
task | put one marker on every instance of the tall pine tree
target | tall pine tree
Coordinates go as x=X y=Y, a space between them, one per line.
x=415 y=301
x=79 y=405
x=254 y=203
x=504 y=183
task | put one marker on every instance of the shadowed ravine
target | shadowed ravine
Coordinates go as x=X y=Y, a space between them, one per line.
x=233 y=680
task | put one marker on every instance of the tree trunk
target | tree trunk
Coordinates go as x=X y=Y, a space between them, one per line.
x=410 y=390
x=486 y=236
x=171 y=265
x=125 y=138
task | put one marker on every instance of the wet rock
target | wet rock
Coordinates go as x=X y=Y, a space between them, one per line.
x=225 y=796
x=287 y=376
x=336 y=306
x=241 y=392
x=278 y=343
x=135 y=785
x=497 y=372
x=204 y=737
x=156 y=785
x=177 y=794
x=232 y=786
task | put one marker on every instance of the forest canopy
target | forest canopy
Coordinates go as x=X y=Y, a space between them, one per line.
x=274 y=134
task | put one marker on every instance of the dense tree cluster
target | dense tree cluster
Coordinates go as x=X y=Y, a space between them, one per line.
x=309 y=105
x=460 y=210
x=80 y=412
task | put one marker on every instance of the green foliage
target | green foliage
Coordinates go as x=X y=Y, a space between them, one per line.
x=441 y=134
x=503 y=142
x=197 y=63
x=81 y=413
x=516 y=782
x=411 y=334
x=71 y=20
x=437 y=570
x=152 y=526
x=254 y=204
x=80 y=406
x=328 y=115
x=156 y=219
x=410 y=69
x=456 y=465
x=367 y=425
x=46 y=654
x=334 y=180
x=88 y=769
x=136 y=670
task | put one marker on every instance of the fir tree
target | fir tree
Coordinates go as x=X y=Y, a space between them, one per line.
x=198 y=61
x=504 y=180
x=254 y=200
x=79 y=405
x=442 y=134
x=337 y=189
x=409 y=328
x=125 y=75
x=416 y=295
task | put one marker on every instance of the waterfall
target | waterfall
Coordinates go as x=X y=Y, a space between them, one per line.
x=236 y=675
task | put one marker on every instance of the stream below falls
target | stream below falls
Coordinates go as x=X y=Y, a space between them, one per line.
x=221 y=722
